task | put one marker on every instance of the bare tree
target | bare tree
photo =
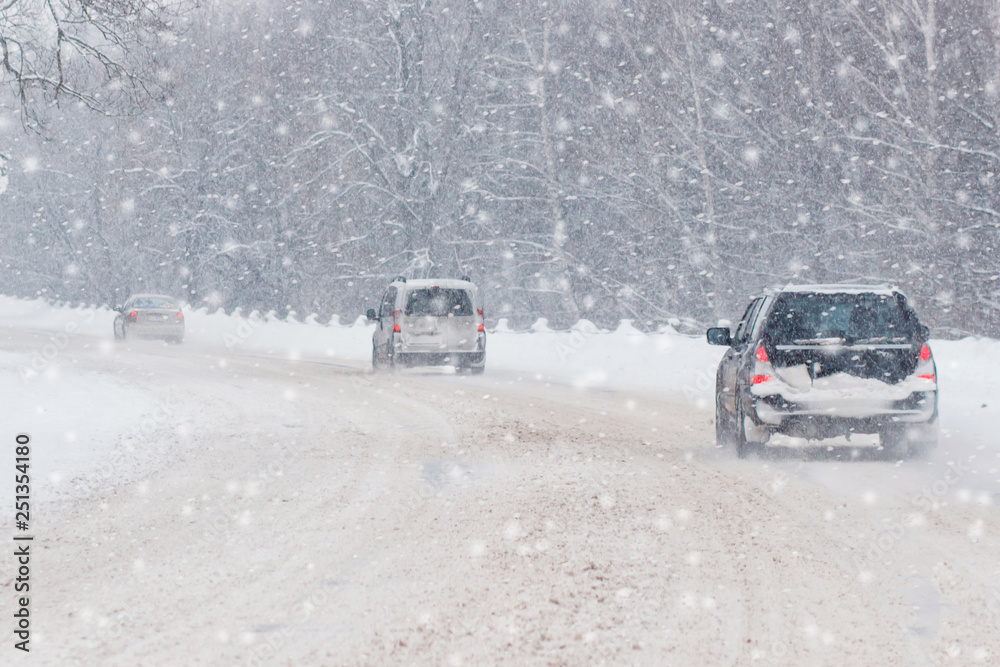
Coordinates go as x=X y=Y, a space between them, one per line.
x=87 y=51
x=623 y=159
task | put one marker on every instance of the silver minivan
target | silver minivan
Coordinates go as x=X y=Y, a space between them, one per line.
x=429 y=323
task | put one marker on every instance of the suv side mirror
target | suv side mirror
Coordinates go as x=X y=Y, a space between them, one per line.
x=719 y=336
x=119 y=308
x=371 y=315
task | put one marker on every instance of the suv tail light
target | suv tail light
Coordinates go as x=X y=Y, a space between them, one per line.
x=925 y=367
x=395 y=326
x=133 y=316
x=482 y=320
x=180 y=316
x=762 y=368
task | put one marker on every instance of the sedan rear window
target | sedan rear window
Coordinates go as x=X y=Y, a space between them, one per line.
x=438 y=302
x=805 y=318
x=153 y=302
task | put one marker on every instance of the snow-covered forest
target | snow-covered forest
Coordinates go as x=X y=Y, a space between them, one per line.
x=598 y=160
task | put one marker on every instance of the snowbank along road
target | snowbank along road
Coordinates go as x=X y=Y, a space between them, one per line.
x=265 y=511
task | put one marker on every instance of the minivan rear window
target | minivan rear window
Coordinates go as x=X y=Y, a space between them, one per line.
x=804 y=318
x=438 y=302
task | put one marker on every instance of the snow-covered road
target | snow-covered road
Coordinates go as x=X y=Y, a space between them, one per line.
x=277 y=511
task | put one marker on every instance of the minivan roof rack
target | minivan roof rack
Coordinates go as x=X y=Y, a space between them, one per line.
x=399 y=279
x=467 y=279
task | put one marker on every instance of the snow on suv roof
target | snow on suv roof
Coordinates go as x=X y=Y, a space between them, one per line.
x=433 y=282
x=887 y=290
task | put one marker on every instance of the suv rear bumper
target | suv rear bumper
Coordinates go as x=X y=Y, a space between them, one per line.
x=781 y=416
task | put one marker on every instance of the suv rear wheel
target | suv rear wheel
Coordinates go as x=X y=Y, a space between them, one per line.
x=723 y=425
x=744 y=447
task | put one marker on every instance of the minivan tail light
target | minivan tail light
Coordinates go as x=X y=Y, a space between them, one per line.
x=180 y=316
x=133 y=315
x=482 y=320
x=760 y=379
x=395 y=325
x=925 y=353
x=761 y=355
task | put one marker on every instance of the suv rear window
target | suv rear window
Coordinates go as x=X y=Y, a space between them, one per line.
x=808 y=317
x=438 y=302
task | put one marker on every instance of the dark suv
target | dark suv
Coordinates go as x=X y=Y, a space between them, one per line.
x=821 y=361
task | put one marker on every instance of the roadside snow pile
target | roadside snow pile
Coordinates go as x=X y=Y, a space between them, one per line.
x=968 y=373
x=585 y=356
x=37 y=314
x=626 y=357
x=74 y=420
x=260 y=333
x=271 y=335
x=664 y=362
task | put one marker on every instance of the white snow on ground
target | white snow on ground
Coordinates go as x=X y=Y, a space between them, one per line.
x=580 y=523
x=583 y=357
x=75 y=420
